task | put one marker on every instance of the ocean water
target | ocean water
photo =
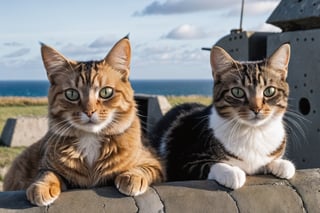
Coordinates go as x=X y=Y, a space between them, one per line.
x=152 y=87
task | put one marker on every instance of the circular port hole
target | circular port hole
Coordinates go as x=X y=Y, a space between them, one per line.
x=304 y=106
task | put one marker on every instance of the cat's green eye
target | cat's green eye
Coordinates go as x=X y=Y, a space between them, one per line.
x=237 y=92
x=106 y=92
x=72 y=94
x=269 y=92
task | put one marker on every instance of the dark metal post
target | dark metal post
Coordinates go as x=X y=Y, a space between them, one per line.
x=241 y=15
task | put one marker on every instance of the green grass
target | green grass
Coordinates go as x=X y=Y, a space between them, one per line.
x=8 y=154
x=175 y=100
x=23 y=101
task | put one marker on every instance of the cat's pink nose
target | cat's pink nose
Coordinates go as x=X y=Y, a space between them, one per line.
x=89 y=113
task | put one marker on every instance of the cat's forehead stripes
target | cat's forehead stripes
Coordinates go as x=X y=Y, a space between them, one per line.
x=88 y=72
x=252 y=74
x=88 y=65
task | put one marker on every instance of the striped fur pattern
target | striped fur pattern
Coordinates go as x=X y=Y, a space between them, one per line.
x=241 y=133
x=94 y=136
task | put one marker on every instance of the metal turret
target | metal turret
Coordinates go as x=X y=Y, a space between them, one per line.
x=293 y=15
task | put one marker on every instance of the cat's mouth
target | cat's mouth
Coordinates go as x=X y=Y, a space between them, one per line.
x=92 y=127
x=92 y=124
x=257 y=119
x=254 y=119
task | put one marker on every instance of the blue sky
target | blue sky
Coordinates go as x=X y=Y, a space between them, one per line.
x=166 y=35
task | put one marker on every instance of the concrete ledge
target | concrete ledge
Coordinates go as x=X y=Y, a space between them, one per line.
x=260 y=194
x=150 y=109
x=23 y=131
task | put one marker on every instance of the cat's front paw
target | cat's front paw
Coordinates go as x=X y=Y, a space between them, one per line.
x=282 y=168
x=43 y=194
x=229 y=176
x=131 y=184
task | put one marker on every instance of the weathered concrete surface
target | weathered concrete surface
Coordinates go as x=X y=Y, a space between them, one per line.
x=24 y=131
x=150 y=109
x=195 y=196
x=305 y=185
x=261 y=194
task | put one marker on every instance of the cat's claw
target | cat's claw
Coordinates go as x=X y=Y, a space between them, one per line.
x=229 y=176
x=282 y=168
x=131 y=184
x=42 y=194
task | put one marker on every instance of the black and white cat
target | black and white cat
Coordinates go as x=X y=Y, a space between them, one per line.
x=241 y=133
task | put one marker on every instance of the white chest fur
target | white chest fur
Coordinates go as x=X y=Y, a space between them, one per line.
x=89 y=147
x=252 y=144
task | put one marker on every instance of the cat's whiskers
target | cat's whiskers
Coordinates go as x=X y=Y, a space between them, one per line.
x=119 y=124
x=115 y=123
x=295 y=124
x=234 y=131
x=225 y=125
x=297 y=116
x=61 y=129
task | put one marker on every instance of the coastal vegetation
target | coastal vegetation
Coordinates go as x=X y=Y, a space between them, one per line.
x=174 y=100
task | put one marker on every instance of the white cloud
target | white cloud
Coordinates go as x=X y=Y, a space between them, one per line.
x=102 y=42
x=186 y=31
x=252 y=7
x=12 y=44
x=18 y=53
x=170 y=62
x=82 y=52
x=17 y=69
x=265 y=27
x=183 y=6
x=94 y=50
x=260 y=7
x=146 y=54
x=168 y=54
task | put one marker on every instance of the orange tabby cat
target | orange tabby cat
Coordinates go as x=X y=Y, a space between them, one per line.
x=94 y=135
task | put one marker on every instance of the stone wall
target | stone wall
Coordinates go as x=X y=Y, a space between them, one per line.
x=260 y=194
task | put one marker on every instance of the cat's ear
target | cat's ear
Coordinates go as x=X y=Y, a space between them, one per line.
x=279 y=60
x=53 y=61
x=119 y=57
x=221 y=61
